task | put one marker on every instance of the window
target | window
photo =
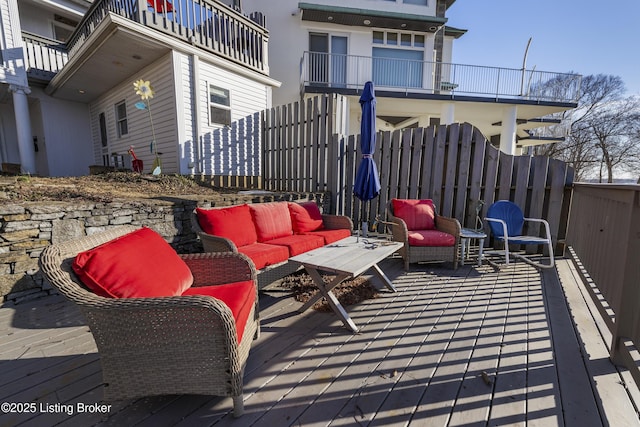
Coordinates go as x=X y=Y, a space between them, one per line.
x=103 y=129
x=219 y=106
x=400 y=62
x=63 y=28
x=409 y=40
x=397 y=67
x=121 y=119
x=418 y=2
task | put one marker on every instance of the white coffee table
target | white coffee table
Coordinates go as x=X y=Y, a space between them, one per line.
x=346 y=258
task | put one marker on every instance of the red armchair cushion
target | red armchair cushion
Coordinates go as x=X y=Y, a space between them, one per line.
x=263 y=254
x=331 y=236
x=430 y=238
x=299 y=243
x=240 y=297
x=137 y=265
x=417 y=214
x=305 y=217
x=272 y=220
x=234 y=223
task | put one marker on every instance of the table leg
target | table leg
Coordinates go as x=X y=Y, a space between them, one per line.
x=325 y=291
x=463 y=243
x=481 y=245
x=383 y=277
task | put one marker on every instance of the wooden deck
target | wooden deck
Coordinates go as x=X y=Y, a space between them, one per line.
x=464 y=348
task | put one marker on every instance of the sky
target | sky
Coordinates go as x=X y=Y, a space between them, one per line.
x=586 y=37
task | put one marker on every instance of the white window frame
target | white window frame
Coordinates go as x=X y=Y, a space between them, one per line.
x=211 y=87
x=121 y=120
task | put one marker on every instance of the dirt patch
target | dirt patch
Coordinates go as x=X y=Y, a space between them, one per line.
x=103 y=188
x=349 y=292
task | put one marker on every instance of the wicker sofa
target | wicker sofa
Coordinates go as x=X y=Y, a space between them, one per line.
x=269 y=233
x=163 y=323
x=426 y=235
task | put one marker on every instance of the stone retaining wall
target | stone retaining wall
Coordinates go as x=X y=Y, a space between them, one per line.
x=27 y=228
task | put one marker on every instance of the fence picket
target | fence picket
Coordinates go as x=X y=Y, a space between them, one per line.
x=523 y=169
x=438 y=165
x=449 y=189
x=428 y=146
x=478 y=143
x=416 y=151
x=463 y=167
x=383 y=159
x=506 y=165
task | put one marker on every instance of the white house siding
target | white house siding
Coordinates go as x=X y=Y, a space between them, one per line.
x=226 y=150
x=163 y=109
x=12 y=68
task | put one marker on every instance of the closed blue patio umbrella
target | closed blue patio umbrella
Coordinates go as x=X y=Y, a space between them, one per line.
x=367 y=183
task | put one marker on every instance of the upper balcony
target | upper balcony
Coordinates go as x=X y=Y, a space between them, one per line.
x=322 y=72
x=116 y=38
x=43 y=57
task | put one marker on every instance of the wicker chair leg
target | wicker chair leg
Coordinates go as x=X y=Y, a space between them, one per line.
x=238 y=406
x=406 y=264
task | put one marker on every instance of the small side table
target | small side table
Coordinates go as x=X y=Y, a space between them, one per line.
x=466 y=234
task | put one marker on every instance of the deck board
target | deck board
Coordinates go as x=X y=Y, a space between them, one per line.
x=418 y=359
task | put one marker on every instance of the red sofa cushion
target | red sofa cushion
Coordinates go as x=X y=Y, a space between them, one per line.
x=430 y=238
x=240 y=297
x=331 y=236
x=234 y=223
x=417 y=214
x=305 y=217
x=137 y=265
x=272 y=220
x=299 y=243
x=263 y=254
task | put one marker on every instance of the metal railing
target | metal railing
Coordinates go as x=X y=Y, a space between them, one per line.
x=604 y=241
x=352 y=71
x=43 y=57
x=207 y=24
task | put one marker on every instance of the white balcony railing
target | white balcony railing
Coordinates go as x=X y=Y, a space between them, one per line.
x=43 y=57
x=351 y=72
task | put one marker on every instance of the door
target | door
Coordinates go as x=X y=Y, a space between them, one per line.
x=327 y=60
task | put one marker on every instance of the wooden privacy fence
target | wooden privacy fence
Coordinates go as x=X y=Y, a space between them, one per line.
x=296 y=153
x=604 y=242
x=454 y=165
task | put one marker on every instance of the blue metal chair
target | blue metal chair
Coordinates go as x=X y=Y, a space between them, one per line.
x=506 y=220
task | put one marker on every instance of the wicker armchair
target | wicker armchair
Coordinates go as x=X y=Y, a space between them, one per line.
x=162 y=345
x=412 y=254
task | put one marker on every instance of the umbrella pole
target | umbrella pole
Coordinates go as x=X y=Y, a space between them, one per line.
x=364 y=226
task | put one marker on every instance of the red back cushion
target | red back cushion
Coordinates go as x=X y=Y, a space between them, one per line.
x=418 y=214
x=305 y=217
x=137 y=265
x=234 y=223
x=272 y=220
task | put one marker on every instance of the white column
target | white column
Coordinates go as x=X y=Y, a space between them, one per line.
x=508 y=134
x=23 y=126
x=447 y=113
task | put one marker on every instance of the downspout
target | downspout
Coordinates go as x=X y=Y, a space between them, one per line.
x=195 y=92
